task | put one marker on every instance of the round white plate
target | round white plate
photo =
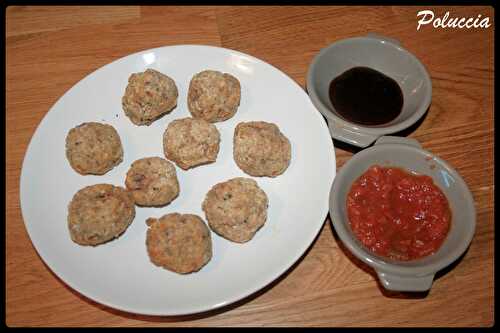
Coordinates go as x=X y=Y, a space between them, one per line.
x=119 y=274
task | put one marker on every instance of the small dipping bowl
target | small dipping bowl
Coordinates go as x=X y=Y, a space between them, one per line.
x=379 y=53
x=405 y=153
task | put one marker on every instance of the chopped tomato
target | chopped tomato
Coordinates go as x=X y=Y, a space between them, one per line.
x=397 y=214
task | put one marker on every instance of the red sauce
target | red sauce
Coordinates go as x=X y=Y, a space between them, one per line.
x=397 y=214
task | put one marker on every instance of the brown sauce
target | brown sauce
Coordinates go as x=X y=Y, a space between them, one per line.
x=366 y=96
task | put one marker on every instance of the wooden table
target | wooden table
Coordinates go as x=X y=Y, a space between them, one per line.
x=49 y=49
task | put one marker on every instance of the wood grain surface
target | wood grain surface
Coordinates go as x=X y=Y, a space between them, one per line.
x=49 y=49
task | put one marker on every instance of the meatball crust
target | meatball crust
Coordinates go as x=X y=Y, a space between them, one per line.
x=93 y=148
x=190 y=142
x=179 y=242
x=213 y=96
x=99 y=213
x=260 y=149
x=236 y=209
x=152 y=181
x=148 y=96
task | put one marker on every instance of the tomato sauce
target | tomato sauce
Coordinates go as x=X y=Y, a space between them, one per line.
x=397 y=214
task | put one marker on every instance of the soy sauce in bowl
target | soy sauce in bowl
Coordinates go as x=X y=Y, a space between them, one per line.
x=366 y=96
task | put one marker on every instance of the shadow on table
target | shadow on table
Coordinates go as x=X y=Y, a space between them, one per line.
x=388 y=293
x=196 y=316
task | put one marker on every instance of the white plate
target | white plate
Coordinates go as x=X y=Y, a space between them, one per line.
x=119 y=273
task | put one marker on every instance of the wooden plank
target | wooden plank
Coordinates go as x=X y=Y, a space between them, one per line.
x=23 y=20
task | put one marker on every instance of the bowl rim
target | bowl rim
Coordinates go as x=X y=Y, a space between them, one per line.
x=375 y=130
x=377 y=262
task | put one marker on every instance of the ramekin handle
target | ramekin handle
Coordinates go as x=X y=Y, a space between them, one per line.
x=354 y=138
x=398 y=140
x=405 y=283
